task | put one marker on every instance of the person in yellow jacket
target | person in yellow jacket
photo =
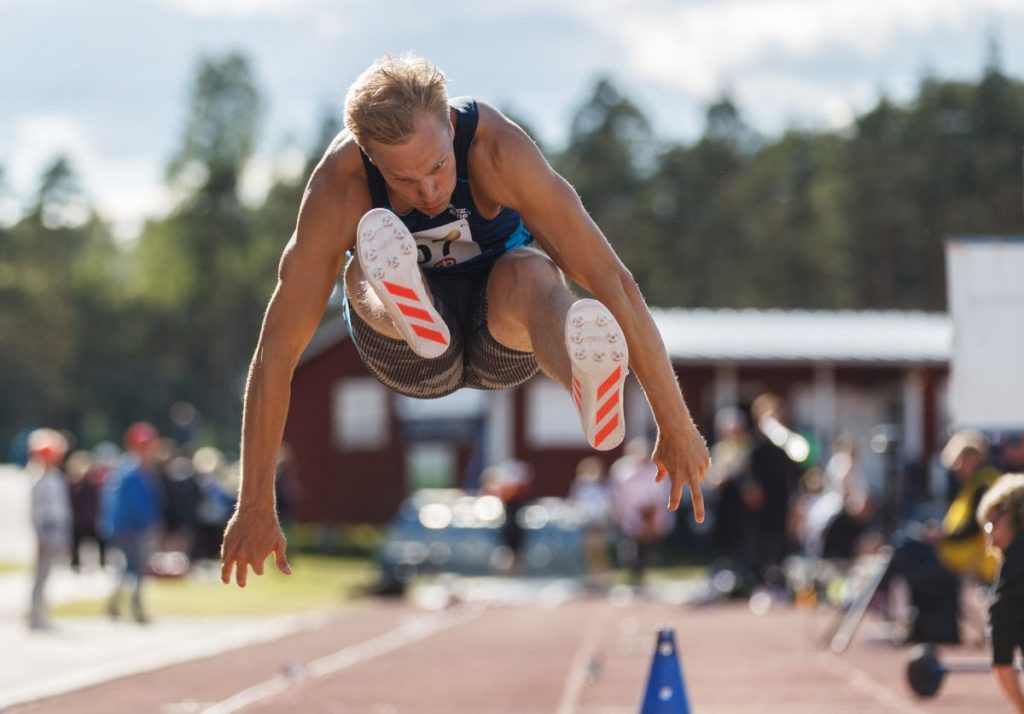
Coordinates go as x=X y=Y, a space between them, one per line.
x=962 y=548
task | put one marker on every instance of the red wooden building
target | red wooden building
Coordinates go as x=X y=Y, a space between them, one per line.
x=361 y=448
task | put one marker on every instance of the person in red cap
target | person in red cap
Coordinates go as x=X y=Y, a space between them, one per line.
x=129 y=510
x=51 y=513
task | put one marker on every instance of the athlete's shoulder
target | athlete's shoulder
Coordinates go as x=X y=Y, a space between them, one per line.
x=499 y=138
x=340 y=167
x=336 y=195
x=493 y=124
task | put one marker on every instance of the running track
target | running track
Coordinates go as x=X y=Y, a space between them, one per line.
x=586 y=656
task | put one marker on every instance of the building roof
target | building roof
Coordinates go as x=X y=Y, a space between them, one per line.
x=806 y=336
x=795 y=336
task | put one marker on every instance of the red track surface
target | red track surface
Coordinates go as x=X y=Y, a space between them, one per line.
x=588 y=657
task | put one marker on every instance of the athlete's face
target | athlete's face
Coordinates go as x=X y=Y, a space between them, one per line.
x=420 y=172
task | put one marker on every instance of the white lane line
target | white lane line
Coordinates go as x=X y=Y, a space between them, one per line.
x=581 y=662
x=392 y=640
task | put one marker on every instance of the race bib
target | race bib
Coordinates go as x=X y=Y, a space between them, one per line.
x=446 y=245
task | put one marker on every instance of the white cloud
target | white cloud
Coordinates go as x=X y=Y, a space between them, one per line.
x=125 y=190
x=693 y=46
x=128 y=193
x=804 y=62
x=37 y=139
x=263 y=170
x=206 y=9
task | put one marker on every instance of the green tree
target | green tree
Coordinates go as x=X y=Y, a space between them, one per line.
x=203 y=272
x=611 y=152
x=693 y=244
x=57 y=266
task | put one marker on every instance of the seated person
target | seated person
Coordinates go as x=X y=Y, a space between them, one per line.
x=1001 y=515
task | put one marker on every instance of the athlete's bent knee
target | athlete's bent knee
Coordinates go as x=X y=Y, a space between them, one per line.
x=528 y=269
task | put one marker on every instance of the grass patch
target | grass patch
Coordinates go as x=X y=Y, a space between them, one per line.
x=12 y=567
x=678 y=572
x=317 y=582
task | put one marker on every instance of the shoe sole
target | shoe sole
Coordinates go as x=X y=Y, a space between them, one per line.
x=388 y=256
x=600 y=363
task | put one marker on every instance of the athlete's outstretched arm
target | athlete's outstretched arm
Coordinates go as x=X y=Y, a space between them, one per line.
x=523 y=179
x=308 y=271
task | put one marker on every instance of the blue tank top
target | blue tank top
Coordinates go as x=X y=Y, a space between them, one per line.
x=459 y=239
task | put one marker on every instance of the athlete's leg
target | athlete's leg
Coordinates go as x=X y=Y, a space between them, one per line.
x=387 y=288
x=527 y=300
x=364 y=301
x=576 y=342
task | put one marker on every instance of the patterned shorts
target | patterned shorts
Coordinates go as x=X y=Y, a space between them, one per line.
x=473 y=359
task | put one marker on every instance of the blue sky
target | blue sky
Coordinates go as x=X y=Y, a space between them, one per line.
x=107 y=82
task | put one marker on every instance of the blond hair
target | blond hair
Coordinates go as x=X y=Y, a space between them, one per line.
x=383 y=103
x=1007 y=496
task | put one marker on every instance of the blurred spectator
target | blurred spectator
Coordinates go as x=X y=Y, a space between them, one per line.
x=737 y=498
x=639 y=508
x=129 y=509
x=1011 y=453
x=840 y=512
x=962 y=548
x=511 y=481
x=51 y=513
x=934 y=558
x=85 y=479
x=181 y=496
x=591 y=493
x=107 y=459
x=185 y=419
x=775 y=462
x=1001 y=515
x=215 y=503
x=845 y=534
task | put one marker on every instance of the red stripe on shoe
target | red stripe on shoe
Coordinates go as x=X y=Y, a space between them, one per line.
x=429 y=334
x=576 y=399
x=400 y=291
x=609 y=383
x=608 y=429
x=410 y=311
x=605 y=408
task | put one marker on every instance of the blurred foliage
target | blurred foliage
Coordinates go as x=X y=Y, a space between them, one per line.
x=95 y=333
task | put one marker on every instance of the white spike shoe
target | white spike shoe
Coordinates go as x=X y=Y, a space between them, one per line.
x=388 y=256
x=600 y=364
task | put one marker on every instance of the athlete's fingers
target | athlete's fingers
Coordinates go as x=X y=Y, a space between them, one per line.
x=241 y=568
x=697 y=498
x=281 y=559
x=225 y=569
x=677 y=494
x=662 y=472
x=257 y=566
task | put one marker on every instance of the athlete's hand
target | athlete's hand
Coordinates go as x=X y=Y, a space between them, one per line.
x=249 y=538
x=682 y=455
